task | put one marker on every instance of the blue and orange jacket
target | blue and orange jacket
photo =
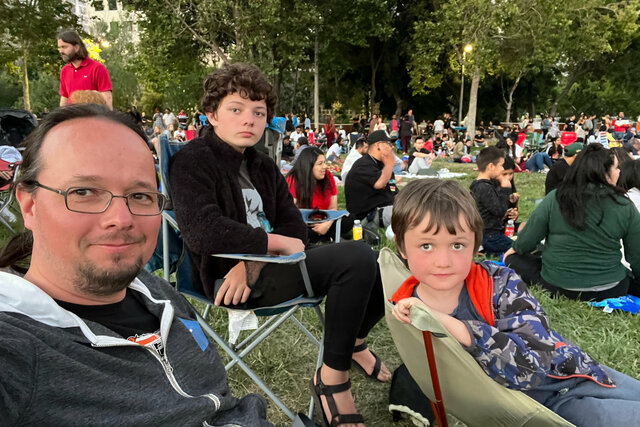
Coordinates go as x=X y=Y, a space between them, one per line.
x=514 y=344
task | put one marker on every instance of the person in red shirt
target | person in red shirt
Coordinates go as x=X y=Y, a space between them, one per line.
x=81 y=72
x=313 y=187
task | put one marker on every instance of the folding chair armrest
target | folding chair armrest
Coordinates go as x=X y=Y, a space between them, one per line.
x=271 y=259
x=297 y=258
x=331 y=215
x=423 y=320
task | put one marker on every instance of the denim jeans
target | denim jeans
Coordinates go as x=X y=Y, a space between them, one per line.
x=496 y=243
x=537 y=161
x=586 y=403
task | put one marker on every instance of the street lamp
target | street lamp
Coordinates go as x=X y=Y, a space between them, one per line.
x=467 y=49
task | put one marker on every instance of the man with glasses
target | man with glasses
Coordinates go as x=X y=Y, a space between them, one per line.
x=371 y=187
x=86 y=334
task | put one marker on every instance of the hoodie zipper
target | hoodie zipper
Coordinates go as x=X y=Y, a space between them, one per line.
x=168 y=370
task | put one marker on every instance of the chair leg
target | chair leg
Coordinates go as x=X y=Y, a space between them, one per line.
x=238 y=360
x=205 y=313
x=437 y=405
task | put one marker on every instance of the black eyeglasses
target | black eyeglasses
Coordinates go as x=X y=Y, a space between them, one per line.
x=96 y=200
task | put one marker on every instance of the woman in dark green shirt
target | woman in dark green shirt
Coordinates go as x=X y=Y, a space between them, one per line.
x=582 y=224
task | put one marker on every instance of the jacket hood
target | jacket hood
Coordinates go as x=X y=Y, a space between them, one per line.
x=18 y=295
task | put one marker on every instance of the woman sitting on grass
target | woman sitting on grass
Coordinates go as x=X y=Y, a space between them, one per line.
x=582 y=223
x=313 y=187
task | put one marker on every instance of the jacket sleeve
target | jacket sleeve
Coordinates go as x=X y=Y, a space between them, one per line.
x=517 y=351
x=205 y=226
x=17 y=379
x=493 y=200
x=631 y=240
x=537 y=227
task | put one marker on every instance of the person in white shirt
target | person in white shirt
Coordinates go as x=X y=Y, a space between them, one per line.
x=335 y=150
x=438 y=125
x=296 y=135
x=356 y=152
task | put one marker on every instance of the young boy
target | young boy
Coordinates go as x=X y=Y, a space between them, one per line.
x=493 y=200
x=437 y=231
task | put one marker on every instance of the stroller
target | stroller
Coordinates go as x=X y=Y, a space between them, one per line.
x=15 y=125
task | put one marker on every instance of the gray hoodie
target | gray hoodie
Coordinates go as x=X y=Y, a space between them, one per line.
x=58 y=369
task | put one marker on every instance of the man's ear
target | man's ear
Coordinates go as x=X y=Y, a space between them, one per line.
x=27 y=206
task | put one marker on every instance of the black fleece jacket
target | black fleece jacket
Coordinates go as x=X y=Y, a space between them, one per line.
x=210 y=208
x=492 y=202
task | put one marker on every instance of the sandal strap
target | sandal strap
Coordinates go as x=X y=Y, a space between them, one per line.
x=376 y=367
x=347 y=419
x=360 y=347
x=328 y=391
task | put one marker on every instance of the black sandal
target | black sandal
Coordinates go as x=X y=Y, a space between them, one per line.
x=319 y=389
x=377 y=365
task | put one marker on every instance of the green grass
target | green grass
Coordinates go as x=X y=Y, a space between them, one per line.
x=610 y=338
x=286 y=360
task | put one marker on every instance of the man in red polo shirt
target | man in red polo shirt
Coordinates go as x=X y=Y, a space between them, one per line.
x=81 y=72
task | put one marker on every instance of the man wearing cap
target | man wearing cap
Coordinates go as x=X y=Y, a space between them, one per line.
x=371 y=187
x=561 y=167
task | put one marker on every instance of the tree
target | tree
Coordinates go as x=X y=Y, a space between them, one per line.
x=597 y=31
x=30 y=27
x=438 y=40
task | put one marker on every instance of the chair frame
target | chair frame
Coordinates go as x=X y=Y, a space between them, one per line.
x=277 y=314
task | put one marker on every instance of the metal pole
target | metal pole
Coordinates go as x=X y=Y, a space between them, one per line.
x=461 y=94
x=316 y=86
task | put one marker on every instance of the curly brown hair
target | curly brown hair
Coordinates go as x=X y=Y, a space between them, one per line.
x=247 y=80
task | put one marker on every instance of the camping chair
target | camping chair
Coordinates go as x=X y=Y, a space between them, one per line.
x=534 y=141
x=175 y=259
x=448 y=375
x=326 y=216
x=7 y=192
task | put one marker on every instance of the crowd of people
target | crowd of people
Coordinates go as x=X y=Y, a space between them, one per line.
x=85 y=312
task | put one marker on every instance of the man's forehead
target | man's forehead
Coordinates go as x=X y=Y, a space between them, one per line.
x=89 y=143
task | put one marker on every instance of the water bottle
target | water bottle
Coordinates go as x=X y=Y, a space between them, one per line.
x=510 y=229
x=357 y=230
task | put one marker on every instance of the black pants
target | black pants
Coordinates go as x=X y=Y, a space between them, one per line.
x=348 y=274
x=528 y=266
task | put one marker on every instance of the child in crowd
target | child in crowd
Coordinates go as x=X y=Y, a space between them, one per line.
x=420 y=158
x=437 y=231
x=494 y=195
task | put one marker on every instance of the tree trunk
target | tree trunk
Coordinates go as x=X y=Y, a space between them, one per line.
x=573 y=78
x=473 y=102
x=399 y=104
x=509 y=102
x=374 y=69
x=25 y=82
x=276 y=88
x=316 y=86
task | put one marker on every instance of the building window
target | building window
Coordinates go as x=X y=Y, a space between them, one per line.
x=113 y=5
x=98 y=5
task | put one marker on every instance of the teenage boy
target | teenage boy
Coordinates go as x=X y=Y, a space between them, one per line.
x=231 y=198
x=493 y=194
x=437 y=231
x=420 y=158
